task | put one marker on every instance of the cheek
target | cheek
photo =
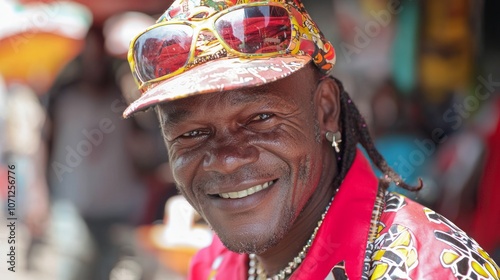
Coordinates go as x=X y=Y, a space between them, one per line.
x=184 y=172
x=183 y=169
x=307 y=166
x=308 y=175
x=180 y=169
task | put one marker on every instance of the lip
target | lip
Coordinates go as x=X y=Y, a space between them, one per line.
x=245 y=203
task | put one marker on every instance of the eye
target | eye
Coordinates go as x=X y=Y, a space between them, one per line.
x=261 y=122
x=261 y=117
x=190 y=139
x=193 y=134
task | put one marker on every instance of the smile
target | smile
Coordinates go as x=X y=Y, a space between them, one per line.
x=247 y=192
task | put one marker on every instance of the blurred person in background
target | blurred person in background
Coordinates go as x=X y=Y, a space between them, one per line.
x=38 y=39
x=97 y=192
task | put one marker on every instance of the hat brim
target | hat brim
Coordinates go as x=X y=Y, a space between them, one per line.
x=219 y=75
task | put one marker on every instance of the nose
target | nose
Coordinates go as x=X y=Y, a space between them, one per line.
x=228 y=155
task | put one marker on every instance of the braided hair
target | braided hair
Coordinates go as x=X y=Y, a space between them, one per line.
x=354 y=131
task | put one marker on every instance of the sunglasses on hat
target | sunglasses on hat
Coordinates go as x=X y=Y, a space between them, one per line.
x=248 y=30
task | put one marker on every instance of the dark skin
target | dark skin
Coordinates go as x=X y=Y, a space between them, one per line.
x=235 y=140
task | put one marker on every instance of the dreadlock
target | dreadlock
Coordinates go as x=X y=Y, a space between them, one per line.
x=356 y=131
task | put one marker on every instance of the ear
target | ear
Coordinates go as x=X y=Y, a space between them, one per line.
x=327 y=101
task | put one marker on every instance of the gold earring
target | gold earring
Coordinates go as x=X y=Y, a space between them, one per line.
x=335 y=138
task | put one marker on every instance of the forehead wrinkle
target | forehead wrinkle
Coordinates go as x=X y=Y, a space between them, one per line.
x=173 y=115
x=251 y=95
x=242 y=97
x=256 y=95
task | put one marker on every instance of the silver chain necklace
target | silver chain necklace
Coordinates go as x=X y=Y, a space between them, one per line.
x=256 y=272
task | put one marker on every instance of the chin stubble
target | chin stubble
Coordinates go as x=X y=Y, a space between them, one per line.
x=249 y=244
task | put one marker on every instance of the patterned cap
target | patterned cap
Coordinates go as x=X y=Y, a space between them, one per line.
x=215 y=70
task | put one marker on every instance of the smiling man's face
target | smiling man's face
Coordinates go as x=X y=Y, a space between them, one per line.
x=248 y=160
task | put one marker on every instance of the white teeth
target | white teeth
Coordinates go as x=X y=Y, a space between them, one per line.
x=247 y=192
x=233 y=195
x=242 y=194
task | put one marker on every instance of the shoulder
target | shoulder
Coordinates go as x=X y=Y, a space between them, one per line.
x=415 y=242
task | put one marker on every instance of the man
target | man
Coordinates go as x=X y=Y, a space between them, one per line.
x=263 y=144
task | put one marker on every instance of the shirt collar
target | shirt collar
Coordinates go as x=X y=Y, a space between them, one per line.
x=344 y=233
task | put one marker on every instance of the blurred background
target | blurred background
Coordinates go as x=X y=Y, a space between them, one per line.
x=92 y=188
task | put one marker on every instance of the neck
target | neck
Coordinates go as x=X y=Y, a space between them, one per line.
x=278 y=257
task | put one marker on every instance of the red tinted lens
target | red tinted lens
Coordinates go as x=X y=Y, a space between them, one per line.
x=162 y=50
x=263 y=29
